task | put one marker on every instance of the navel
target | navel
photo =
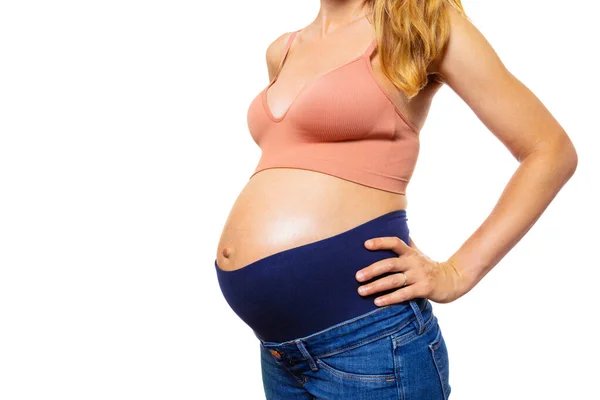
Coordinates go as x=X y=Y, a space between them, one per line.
x=227 y=252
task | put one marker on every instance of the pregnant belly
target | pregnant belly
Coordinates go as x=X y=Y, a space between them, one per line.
x=282 y=208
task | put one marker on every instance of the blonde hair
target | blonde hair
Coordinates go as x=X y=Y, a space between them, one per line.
x=410 y=35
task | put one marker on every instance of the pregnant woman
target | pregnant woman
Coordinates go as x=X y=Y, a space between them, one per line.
x=316 y=255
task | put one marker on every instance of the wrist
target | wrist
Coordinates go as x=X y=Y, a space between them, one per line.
x=463 y=282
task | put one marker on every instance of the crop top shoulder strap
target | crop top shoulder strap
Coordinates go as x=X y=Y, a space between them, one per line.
x=286 y=50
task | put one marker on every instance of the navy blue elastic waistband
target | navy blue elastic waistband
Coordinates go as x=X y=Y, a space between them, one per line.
x=305 y=289
x=374 y=324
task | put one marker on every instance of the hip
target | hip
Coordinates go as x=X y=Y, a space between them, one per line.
x=394 y=352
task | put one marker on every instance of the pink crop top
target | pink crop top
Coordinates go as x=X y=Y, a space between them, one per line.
x=343 y=124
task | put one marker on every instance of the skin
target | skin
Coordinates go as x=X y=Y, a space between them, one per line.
x=522 y=123
x=282 y=208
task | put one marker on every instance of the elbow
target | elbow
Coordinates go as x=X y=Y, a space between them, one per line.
x=570 y=158
x=560 y=157
x=564 y=159
x=573 y=165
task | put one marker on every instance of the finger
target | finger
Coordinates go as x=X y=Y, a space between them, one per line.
x=413 y=245
x=389 y=282
x=404 y=294
x=388 y=242
x=378 y=268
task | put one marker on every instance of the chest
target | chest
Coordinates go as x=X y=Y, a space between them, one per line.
x=346 y=103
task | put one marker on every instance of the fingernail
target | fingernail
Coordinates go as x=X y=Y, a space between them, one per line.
x=368 y=243
x=360 y=276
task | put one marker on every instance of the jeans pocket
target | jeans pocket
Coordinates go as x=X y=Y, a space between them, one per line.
x=368 y=362
x=439 y=352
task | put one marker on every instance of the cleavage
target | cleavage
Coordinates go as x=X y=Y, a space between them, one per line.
x=290 y=89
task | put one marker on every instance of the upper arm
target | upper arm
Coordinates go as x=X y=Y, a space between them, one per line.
x=274 y=54
x=471 y=67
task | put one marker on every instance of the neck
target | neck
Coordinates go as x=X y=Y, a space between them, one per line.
x=335 y=14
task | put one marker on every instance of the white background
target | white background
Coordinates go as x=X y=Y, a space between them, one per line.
x=123 y=145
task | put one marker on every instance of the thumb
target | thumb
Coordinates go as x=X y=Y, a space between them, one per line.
x=412 y=244
x=402 y=247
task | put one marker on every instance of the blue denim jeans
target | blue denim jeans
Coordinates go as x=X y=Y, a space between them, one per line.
x=394 y=352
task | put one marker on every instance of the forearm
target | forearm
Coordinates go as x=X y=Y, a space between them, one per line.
x=527 y=194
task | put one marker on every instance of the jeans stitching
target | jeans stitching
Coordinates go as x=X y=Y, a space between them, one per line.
x=344 y=323
x=401 y=340
x=358 y=377
x=437 y=341
x=301 y=382
x=319 y=333
x=397 y=367
x=435 y=362
x=279 y=363
x=419 y=316
x=369 y=340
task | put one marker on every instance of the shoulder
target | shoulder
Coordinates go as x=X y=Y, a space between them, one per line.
x=275 y=51
x=462 y=33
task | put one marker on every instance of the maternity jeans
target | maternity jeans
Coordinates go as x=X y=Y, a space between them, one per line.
x=320 y=339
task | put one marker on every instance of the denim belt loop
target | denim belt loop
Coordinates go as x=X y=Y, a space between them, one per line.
x=305 y=353
x=420 y=323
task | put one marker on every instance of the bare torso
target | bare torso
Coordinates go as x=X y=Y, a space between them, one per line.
x=282 y=208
